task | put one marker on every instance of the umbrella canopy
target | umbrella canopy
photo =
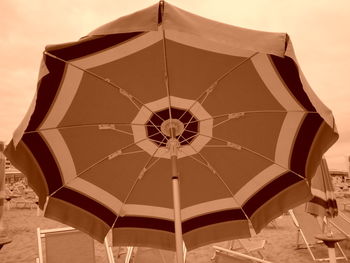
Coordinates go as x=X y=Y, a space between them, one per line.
x=163 y=96
x=323 y=202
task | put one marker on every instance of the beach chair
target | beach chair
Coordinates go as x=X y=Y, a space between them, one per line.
x=127 y=251
x=251 y=247
x=341 y=223
x=65 y=245
x=224 y=255
x=145 y=255
x=307 y=228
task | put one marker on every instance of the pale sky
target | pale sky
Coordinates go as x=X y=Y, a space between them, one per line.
x=319 y=30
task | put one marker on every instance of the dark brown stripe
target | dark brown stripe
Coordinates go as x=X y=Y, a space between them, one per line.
x=89 y=45
x=43 y=156
x=303 y=143
x=329 y=203
x=87 y=204
x=319 y=201
x=144 y=222
x=272 y=189
x=188 y=225
x=47 y=89
x=211 y=219
x=288 y=71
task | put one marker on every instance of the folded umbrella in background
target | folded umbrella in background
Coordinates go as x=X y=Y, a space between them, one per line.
x=323 y=202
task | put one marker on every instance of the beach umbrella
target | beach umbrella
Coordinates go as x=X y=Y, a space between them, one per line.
x=164 y=126
x=323 y=203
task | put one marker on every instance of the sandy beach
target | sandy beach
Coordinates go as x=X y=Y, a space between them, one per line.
x=22 y=223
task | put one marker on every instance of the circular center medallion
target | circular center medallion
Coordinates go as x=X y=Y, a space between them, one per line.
x=184 y=124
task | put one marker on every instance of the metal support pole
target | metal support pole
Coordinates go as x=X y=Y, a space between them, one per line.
x=177 y=212
x=173 y=144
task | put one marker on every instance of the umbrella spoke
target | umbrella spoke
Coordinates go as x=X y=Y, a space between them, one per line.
x=108 y=157
x=145 y=168
x=135 y=101
x=101 y=126
x=236 y=115
x=203 y=96
x=207 y=164
x=188 y=139
x=166 y=77
x=235 y=146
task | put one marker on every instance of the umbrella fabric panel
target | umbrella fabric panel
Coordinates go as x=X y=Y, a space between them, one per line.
x=103 y=104
x=87 y=152
x=256 y=132
x=75 y=216
x=144 y=20
x=233 y=166
x=244 y=86
x=154 y=237
x=193 y=70
x=89 y=45
x=178 y=20
x=144 y=237
x=283 y=200
x=25 y=162
x=114 y=178
x=46 y=91
x=138 y=73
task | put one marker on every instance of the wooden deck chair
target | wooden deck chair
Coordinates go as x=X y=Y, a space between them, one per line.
x=250 y=246
x=120 y=251
x=145 y=255
x=308 y=227
x=65 y=245
x=341 y=223
x=224 y=255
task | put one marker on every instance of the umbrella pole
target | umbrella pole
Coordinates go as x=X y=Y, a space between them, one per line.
x=176 y=201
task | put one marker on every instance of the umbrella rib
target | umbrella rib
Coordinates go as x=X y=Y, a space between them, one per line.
x=235 y=115
x=240 y=147
x=122 y=91
x=166 y=71
x=214 y=85
x=102 y=126
x=139 y=177
x=108 y=157
x=211 y=168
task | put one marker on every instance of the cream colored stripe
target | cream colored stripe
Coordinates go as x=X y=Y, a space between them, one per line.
x=120 y=51
x=96 y=193
x=274 y=84
x=286 y=137
x=258 y=182
x=148 y=211
x=61 y=152
x=208 y=207
x=65 y=97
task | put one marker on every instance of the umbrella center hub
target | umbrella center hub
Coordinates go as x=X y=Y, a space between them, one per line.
x=182 y=128
x=172 y=124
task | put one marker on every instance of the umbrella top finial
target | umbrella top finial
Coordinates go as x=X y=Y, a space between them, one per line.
x=170 y=124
